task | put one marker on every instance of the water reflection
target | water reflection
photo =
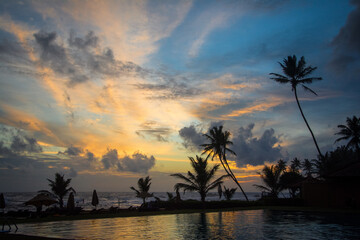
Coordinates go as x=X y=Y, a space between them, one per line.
x=253 y=224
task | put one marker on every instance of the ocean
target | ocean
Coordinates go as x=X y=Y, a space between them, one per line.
x=15 y=200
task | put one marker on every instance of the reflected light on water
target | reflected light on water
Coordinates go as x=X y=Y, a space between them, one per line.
x=251 y=224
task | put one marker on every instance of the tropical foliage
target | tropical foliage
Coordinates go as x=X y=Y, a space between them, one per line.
x=228 y=193
x=334 y=160
x=270 y=175
x=350 y=132
x=201 y=180
x=217 y=147
x=59 y=188
x=144 y=187
x=297 y=73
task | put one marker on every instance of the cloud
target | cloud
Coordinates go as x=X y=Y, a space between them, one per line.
x=192 y=139
x=137 y=163
x=150 y=129
x=72 y=151
x=347 y=43
x=83 y=59
x=17 y=142
x=89 y=41
x=253 y=150
x=169 y=87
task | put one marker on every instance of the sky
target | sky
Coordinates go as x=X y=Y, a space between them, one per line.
x=106 y=92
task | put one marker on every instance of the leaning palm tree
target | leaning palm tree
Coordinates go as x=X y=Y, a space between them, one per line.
x=271 y=178
x=297 y=73
x=217 y=147
x=200 y=180
x=351 y=132
x=144 y=187
x=59 y=188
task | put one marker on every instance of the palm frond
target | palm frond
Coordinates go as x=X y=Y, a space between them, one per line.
x=308 y=89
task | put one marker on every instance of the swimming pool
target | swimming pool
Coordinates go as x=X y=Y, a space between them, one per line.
x=250 y=224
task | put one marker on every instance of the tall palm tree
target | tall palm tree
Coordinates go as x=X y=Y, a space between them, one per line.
x=59 y=188
x=297 y=73
x=270 y=175
x=144 y=187
x=200 y=180
x=217 y=147
x=351 y=132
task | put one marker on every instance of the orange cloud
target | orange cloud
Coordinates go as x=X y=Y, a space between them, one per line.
x=258 y=107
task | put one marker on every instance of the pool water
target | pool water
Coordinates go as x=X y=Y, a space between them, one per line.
x=250 y=224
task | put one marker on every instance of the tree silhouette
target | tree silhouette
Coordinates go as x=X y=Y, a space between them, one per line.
x=144 y=187
x=297 y=73
x=307 y=166
x=217 y=147
x=270 y=175
x=351 y=132
x=59 y=188
x=229 y=193
x=200 y=180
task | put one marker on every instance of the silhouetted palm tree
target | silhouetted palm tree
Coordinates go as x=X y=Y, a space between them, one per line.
x=270 y=175
x=229 y=193
x=217 y=147
x=307 y=166
x=295 y=165
x=200 y=180
x=297 y=73
x=59 y=188
x=350 y=132
x=144 y=187
x=281 y=164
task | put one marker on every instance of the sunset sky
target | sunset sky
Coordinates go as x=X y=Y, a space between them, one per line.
x=107 y=92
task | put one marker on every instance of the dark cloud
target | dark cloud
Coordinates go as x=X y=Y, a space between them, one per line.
x=169 y=87
x=72 y=151
x=13 y=141
x=89 y=41
x=347 y=43
x=138 y=163
x=110 y=159
x=82 y=59
x=150 y=129
x=89 y=156
x=253 y=150
x=192 y=139
x=56 y=57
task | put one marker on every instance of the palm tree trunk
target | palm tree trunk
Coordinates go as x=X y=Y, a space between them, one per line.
x=302 y=114
x=233 y=177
